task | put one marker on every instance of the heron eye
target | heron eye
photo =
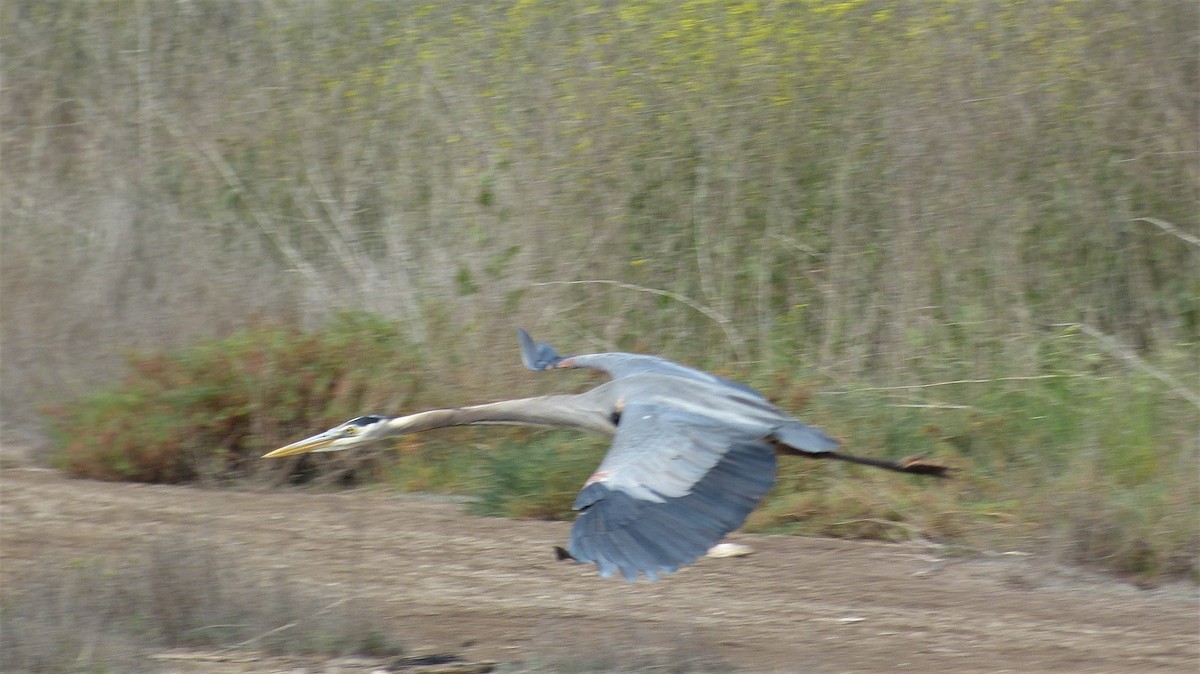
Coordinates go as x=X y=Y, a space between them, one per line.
x=350 y=430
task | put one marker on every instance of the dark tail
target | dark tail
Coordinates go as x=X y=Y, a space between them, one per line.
x=913 y=465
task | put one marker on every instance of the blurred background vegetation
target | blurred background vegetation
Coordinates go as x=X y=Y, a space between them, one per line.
x=963 y=228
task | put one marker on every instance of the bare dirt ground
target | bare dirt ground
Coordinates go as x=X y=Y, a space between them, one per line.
x=489 y=589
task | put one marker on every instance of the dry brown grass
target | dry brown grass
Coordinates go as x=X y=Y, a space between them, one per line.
x=179 y=590
x=893 y=210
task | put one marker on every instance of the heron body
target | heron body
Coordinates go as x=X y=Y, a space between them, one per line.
x=692 y=454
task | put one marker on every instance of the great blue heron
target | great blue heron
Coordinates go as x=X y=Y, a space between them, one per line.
x=692 y=454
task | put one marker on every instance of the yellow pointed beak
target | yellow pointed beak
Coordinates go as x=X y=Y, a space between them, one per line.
x=313 y=444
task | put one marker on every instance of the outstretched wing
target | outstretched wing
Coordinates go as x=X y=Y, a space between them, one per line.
x=539 y=356
x=673 y=484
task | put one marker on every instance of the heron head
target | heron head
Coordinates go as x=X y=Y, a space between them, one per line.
x=354 y=433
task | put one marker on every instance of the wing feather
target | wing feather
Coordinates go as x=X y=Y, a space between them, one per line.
x=666 y=450
x=541 y=356
x=667 y=492
x=619 y=365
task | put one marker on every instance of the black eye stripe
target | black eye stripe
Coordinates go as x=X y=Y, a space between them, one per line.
x=366 y=421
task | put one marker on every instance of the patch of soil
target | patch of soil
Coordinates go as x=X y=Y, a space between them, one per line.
x=491 y=590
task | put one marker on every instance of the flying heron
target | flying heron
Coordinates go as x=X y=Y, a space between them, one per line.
x=691 y=456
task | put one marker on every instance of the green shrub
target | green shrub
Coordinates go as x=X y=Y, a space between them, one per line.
x=210 y=410
x=1086 y=460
